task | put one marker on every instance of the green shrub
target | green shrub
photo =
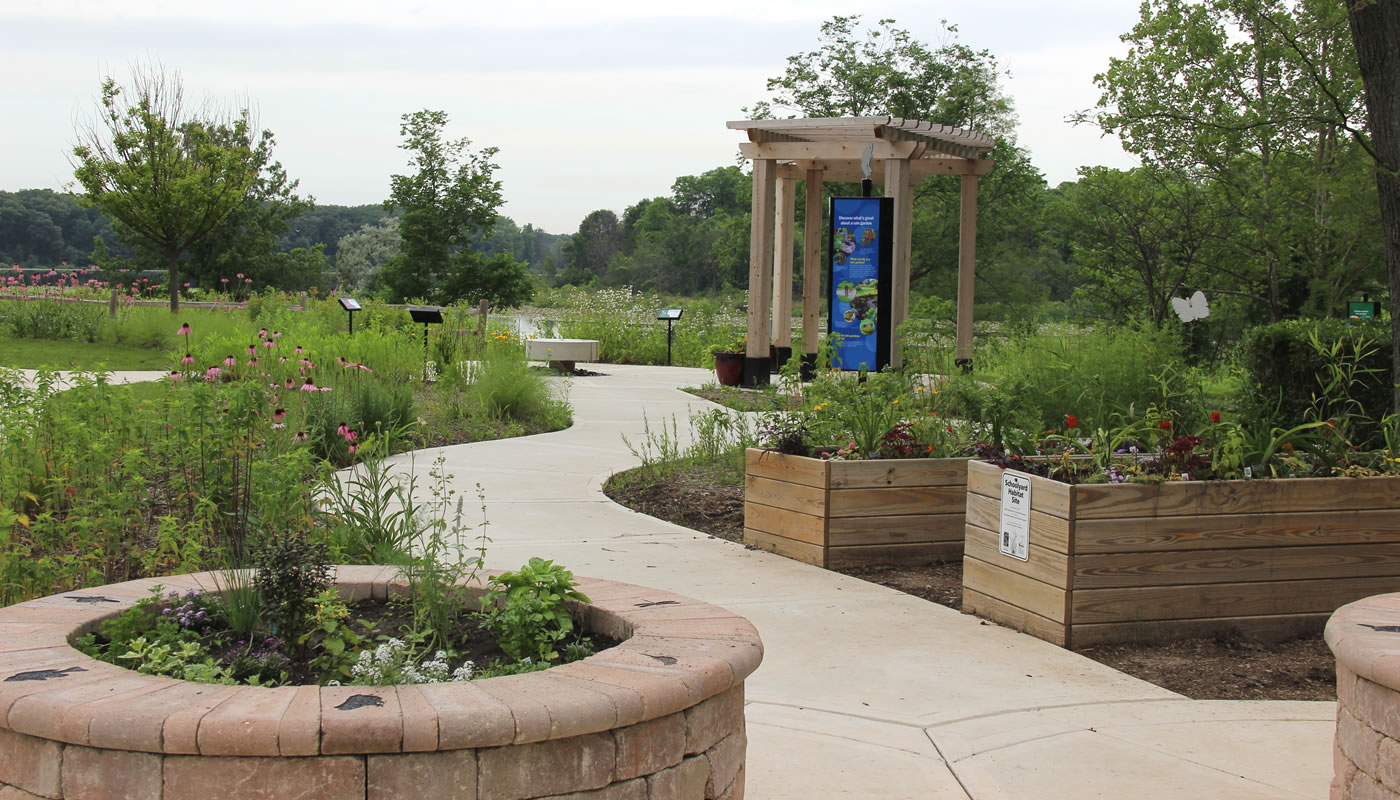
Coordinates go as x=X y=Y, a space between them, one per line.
x=1289 y=373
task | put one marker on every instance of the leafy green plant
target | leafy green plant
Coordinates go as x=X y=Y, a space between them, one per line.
x=291 y=570
x=528 y=610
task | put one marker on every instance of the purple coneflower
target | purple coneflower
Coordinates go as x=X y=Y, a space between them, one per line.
x=230 y=362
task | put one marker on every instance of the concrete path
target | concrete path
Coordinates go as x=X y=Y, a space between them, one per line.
x=864 y=691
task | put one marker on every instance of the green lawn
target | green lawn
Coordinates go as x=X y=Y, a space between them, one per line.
x=41 y=353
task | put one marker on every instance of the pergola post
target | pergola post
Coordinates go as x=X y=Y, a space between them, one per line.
x=756 y=366
x=783 y=226
x=812 y=262
x=897 y=186
x=967 y=268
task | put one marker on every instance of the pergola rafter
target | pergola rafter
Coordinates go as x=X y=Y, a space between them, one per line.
x=903 y=153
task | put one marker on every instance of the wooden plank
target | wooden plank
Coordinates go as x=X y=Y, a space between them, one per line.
x=789 y=548
x=792 y=469
x=920 y=169
x=791 y=151
x=899 y=472
x=783 y=227
x=1186 y=498
x=897 y=186
x=896 y=501
x=1197 y=601
x=1047 y=496
x=812 y=230
x=780 y=494
x=846 y=531
x=1267 y=629
x=893 y=555
x=1100 y=571
x=761 y=257
x=1046 y=566
x=1050 y=532
x=1009 y=587
x=783 y=522
x=1235 y=530
x=1014 y=617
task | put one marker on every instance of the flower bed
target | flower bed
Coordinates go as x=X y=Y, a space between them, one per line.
x=837 y=514
x=659 y=716
x=1365 y=637
x=1144 y=561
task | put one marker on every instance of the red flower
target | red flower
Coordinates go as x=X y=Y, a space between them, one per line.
x=1215 y=416
x=1166 y=425
x=1071 y=421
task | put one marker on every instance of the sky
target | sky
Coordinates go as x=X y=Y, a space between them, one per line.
x=592 y=104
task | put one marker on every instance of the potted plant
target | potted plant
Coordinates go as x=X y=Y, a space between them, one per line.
x=1148 y=531
x=729 y=361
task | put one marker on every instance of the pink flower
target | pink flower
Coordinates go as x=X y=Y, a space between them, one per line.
x=342 y=430
x=187 y=360
x=187 y=284
x=262 y=333
x=223 y=280
x=212 y=374
x=352 y=448
x=240 y=274
x=365 y=369
x=290 y=384
x=281 y=359
x=269 y=344
x=252 y=348
x=309 y=386
x=277 y=334
x=325 y=388
x=184 y=329
x=247 y=280
x=174 y=377
x=230 y=362
x=297 y=350
x=279 y=414
x=301 y=436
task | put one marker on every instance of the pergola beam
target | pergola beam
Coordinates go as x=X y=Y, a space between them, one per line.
x=792 y=151
x=760 y=271
x=848 y=170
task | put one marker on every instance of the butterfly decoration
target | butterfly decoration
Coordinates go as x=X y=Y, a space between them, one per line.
x=1191 y=309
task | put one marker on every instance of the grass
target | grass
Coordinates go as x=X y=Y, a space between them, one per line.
x=71 y=355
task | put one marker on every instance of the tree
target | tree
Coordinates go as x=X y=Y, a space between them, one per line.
x=1259 y=97
x=1375 y=30
x=589 y=253
x=170 y=179
x=453 y=197
x=360 y=255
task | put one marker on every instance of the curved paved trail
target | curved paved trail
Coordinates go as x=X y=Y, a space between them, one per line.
x=864 y=691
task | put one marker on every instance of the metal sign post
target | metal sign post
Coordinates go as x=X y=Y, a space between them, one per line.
x=428 y=315
x=670 y=315
x=350 y=305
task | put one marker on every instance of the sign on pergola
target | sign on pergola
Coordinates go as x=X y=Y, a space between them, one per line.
x=904 y=152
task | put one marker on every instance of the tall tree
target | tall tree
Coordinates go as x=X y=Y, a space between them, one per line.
x=1375 y=29
x=1254 y=95
x=170 y=179
x=360 y=255
x=452 y=197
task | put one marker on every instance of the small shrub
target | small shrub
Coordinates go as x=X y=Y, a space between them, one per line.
x=528 y=610
x=291 y=570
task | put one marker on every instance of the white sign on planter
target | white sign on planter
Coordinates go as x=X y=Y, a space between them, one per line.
x=1015 y=515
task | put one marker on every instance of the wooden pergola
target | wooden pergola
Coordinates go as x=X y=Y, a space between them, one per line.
x=905 y=152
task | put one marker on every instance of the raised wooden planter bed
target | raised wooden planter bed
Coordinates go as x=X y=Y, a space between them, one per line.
x=659 y=716
x=838 y=514
x=1142 y=562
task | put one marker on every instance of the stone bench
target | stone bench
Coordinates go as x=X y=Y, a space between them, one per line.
x=659 y=716
x=1365 y=638
x=562 y=353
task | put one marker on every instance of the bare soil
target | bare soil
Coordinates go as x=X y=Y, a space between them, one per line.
x=1202 y=669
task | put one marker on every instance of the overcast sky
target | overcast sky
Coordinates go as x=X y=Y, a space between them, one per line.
x=592 y=104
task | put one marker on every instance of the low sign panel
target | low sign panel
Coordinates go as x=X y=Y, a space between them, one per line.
x=1015 y=538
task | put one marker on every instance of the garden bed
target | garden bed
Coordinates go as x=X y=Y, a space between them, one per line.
x=660 y=715
x=1181 y=559
x=836 y=514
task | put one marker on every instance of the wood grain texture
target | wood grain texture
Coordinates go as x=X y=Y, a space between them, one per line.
x=896 y=472
x=781 y=494
x=790 y=548
x=1044 y=565
x=1014 y=617
x=1047 y=496
x=1014 y=589
x=1267 y=629
x=1188 y=498
x=895 y=554
x=1197 y=601
x=897 y=501
x=1047 y=531
x=848 y=531
x=1216 y=531
x=1239 y=565
x=792 y=469
x=783 y=522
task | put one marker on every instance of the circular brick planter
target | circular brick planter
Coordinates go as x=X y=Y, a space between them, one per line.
x=1365 y=637
x=659 y=716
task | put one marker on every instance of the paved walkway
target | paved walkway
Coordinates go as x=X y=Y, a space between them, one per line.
x=864 y=691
